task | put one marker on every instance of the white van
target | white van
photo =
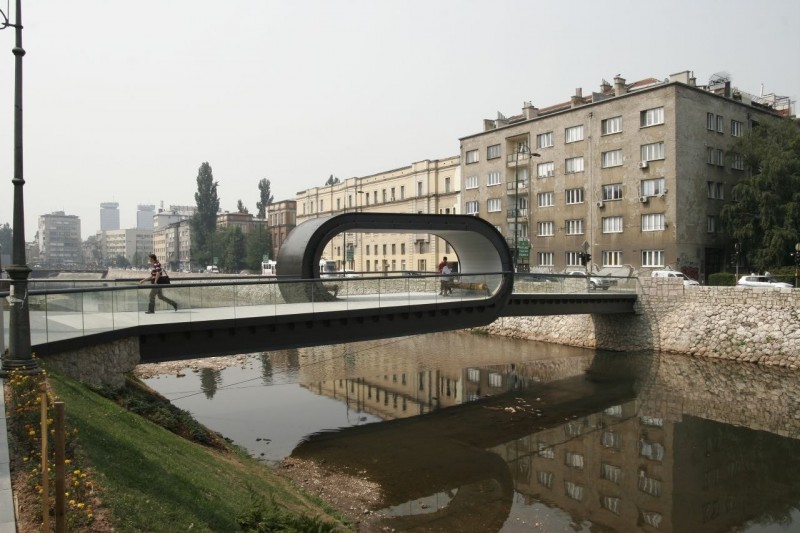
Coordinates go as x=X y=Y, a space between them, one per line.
x=212 y=269
x=674 y=274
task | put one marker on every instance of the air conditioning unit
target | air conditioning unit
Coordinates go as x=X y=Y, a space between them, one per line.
x=601 y=204
x=643 y=164
x=643 y=199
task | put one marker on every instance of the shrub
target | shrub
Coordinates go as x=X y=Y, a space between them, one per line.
x=723 y=279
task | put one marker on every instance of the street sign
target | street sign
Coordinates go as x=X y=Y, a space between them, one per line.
x=524 y=249
x=585 y=246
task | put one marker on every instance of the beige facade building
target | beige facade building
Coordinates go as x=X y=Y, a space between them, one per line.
x=244 y=221
x=281 y=219
x=172 y=244
x=132 y=244
x=426 y=187
x=635 y=174
x=59 y=239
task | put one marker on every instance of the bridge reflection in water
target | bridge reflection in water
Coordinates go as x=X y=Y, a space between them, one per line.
x=488 y=434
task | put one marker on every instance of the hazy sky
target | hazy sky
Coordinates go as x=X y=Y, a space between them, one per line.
x=124 y=100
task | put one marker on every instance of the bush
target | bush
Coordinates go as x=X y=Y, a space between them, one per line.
x=722 y=279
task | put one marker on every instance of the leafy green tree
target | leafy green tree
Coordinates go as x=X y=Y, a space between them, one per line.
x=258 y=244
x=204 y=221
x=120 y=261
x=241 y=208
x=7 y=239
x=765 y=218
x=265 y=196
x=230 y=248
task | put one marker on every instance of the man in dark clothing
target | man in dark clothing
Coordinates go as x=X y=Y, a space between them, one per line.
x=157 y=277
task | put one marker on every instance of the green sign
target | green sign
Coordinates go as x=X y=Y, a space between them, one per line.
x=524 y=250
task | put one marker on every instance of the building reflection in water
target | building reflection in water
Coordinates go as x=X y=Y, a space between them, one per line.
x=631 y=442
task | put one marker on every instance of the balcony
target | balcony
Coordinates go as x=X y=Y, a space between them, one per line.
x=513 y=214
x=514 y=188
x=515 y=159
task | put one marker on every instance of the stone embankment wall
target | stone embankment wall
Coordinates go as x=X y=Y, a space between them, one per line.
x=758 y=325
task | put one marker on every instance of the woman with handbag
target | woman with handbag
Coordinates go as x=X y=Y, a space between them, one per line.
x=157 y=277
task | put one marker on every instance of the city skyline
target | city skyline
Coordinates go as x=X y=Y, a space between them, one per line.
x=123 y=112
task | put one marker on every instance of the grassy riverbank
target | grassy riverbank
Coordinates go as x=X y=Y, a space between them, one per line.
x=151 y=479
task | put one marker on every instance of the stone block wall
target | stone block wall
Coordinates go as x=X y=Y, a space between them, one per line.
x=758 y=325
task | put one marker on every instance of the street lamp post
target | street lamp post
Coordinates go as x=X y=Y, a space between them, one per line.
x=521 y=149
x=19 y=355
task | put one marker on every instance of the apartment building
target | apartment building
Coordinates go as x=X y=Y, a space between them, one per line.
x=244 y=221
x=281 y=219
x=132 y=244
x=109 y=216
x=172 y=244
x=60 y=240
x=635 y=174
x=425 y=187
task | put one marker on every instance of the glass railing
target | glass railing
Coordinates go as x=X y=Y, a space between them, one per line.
x=64 y=313
x=540 y=283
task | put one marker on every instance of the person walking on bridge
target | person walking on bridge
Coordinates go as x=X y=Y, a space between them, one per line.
x=157 y=277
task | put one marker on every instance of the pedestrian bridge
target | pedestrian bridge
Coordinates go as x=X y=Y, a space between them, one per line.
x=247 y=314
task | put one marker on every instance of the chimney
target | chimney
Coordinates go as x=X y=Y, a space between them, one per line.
x=577 y=100
x=728 y=89
x=604 y=86
x=529 y=111
x=619 y=86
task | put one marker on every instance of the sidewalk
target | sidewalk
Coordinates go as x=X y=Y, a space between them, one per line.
x=8 y=523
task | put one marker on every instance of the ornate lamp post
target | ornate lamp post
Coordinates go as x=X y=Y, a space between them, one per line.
x=19 y=355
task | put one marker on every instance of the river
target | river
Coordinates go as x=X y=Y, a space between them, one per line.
x=467 y=432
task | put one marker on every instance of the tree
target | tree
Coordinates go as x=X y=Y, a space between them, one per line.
x=7 y=239
x=204 y=220
x=258 y=244
x=266 y=197
x=230 y=248
x=765 y=216
x=241 y=208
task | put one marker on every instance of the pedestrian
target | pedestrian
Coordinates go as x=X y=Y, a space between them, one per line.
x=440 y=269
x=157 y=277
x=447 y=284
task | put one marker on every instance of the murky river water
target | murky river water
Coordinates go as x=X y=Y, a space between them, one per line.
x=473 y=433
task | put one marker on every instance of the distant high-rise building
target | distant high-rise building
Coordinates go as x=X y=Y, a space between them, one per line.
x=144 y=216
x=109 y=216
x=60 y=239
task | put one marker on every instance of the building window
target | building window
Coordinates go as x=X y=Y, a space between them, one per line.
x=736 y=128
x=545 y=478
x=612 y=258
x=494 y=179
x=653 y=187
x=573 y=134
x=612 y=192
x=652 y=258
x=738 y=162
x=611 y=473
x=711 y=224
x=651 y=117
x=574 y=460
x=612 y=224
x=471 y=182
x=471 y=156
x=574 y=226
x=402 y=249
x=545 y=170
x=611 y=503
x=384 y=249
x=403 y=188
x=394 y=249
x=545 y=229
x=573 y=164
x=383 y=195
x=710 y=121
x=710 y=155
x=493 y=205
x=574 y=196
x=611 y=159
x=610 y=126
x=573 y=258
x=720 y=159
x=419 y=191
x=471 y=208
x=715 y=190
x=493 y=151
x=653 y=222
x=544 y=140
x=545 y=259
x=545 y=199
x=649 y=485
x=720 y=124
x=653 y=152
x=573 y=490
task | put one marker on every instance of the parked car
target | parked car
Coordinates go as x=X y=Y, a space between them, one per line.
x=595 y=282
x=674 y=274
x=761 y=281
